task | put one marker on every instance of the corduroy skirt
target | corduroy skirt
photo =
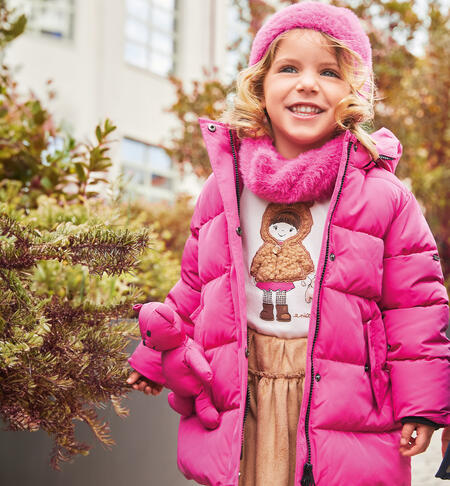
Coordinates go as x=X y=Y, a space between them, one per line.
x=276 y=380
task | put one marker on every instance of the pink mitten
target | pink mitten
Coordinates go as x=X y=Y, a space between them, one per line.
x=185 y=368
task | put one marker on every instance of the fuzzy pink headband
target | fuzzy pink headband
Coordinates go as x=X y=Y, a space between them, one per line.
x=339 y=22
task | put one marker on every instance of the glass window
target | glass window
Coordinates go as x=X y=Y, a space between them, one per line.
x=150 y=35
x=146 y=166
x=160 y=63
x=133 y=151
x=138 y=8
x=48 y=17
x=163 y=19
x=159 y=159
x=136 y=31
x=161 y=43
x=136 y=54
x=168 y=4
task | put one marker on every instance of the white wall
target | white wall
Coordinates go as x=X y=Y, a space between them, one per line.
x=93 y=81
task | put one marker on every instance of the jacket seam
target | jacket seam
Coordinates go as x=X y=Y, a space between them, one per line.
x=357 y=231
x=375 y=299
x=385 y=309
x=390 y=431
x=408 y=254
x=418 y=358
x=340 y=362
x=190 y=286
x=208 y=220
x=227 y=272
x=415 y=306
x=219 y=345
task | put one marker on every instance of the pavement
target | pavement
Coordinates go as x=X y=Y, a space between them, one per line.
x=425 y=465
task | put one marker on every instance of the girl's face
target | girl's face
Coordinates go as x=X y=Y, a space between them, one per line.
x=303 y=72
x=282 y=231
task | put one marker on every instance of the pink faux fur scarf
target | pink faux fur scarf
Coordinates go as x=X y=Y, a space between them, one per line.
x=310 y=176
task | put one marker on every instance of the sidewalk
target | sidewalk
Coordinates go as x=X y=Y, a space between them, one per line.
x=425 y=466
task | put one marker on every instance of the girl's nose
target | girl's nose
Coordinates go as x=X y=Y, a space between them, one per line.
x=306 y=82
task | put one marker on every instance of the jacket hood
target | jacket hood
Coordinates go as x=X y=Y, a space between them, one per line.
x=388 y=145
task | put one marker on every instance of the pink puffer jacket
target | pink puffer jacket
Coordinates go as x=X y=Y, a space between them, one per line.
x=377 y=350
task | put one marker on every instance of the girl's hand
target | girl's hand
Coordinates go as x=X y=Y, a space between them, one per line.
x=445 y=439
x=411 y=446
x=142 y=383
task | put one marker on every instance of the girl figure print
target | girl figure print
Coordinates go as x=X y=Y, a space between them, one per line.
x=282 y=259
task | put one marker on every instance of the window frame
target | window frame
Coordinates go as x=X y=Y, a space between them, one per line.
x=33 y=9
x=148 y=46
x=146 y=188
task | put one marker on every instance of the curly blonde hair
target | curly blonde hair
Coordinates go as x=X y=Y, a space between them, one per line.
x=248 y=117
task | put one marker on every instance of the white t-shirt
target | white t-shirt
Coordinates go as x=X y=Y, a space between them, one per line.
x=281 y=244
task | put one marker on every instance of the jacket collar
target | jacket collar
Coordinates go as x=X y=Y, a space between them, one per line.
x=216 y=134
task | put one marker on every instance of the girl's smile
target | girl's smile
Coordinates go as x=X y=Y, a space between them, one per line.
x=301 y=91
x=309 y=115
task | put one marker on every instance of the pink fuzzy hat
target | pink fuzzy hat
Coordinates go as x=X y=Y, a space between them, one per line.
x=338 y=22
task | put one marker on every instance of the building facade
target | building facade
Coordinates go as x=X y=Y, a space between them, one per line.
x=112 y=58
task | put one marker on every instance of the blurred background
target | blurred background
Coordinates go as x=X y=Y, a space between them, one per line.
x=99 y=140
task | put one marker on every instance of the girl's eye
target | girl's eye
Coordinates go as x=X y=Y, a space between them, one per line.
x=275 y=227
x=293 y=69
x=283 y=69
x=332 y=72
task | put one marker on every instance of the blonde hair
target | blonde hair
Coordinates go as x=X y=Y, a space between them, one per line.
x=248 y=117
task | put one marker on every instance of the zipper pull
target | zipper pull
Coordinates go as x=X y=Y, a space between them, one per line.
x=307 y=478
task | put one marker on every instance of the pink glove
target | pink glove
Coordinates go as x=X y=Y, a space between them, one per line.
x=185 y=368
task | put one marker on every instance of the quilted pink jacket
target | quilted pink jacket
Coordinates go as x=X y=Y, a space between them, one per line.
x=377 y=351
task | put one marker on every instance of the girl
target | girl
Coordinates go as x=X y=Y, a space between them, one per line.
x=331 y=399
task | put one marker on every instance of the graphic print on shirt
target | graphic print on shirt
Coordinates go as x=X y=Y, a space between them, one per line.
x=282 y=259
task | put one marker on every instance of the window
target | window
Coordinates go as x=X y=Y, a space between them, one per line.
x=147 y=169
x=150 y=35
x=48 y=17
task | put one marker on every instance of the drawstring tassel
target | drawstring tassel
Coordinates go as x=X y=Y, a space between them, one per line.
x=307 y=478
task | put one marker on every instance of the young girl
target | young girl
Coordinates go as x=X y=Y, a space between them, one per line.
x=328 y=388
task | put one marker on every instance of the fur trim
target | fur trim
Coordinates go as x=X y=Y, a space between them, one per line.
x=310 y=176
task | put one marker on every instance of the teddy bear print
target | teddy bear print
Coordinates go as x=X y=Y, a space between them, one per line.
x=282 y=259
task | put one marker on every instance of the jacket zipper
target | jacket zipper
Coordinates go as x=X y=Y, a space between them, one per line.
x=239 y=231
x=308 y=477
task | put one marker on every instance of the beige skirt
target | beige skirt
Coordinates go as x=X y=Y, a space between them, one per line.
x=276 y=380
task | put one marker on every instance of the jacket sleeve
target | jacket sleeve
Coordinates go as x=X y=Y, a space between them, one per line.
x=414 y=306
x=183 y=298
